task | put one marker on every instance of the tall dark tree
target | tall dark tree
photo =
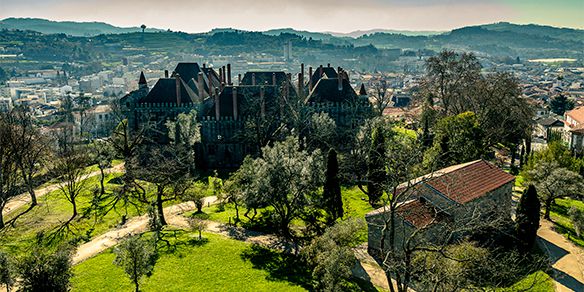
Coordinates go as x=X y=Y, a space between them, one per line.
x=560 y=104
x=332 y=188
x=527 y=215
x=376 y=174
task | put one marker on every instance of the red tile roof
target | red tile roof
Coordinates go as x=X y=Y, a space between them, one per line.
x=470 y=181
x=417 y=212
x=577 y=114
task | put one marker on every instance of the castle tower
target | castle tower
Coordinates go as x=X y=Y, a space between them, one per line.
x=142 y=84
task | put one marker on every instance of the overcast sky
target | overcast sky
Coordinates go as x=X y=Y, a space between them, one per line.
x=313 y=15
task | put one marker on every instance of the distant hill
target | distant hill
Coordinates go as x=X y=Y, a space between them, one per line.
x=538 y=30
x=359 y=33
x=499 y=39
x=67 y=27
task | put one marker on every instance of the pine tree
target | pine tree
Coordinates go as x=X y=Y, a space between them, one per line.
x=332 y=188
x=375 y=167
x=527 y=218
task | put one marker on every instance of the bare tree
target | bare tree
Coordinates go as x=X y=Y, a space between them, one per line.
x=380 y=97
x=9 y=179
x=69 y=162
x=28 y=149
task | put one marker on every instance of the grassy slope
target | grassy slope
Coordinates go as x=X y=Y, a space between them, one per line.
x=536 y=282
x=563 y=223
x=219 y=264
x=53 y=210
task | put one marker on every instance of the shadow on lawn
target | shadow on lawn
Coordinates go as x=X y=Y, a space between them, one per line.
x=280 y=266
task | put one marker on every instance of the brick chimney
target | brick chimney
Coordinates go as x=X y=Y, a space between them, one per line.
x=217 y=104
x=300 y=84
x=165 y=73
x=301 y=80
x=204 y=65
x=200 y=85
x=177 y=82
x=229 y=74
x=274 y=78
x=220 y=75
x=320 y=71
x=309 y=79
x=253 y=80
x=224 y=74
x=235 y=111
x=239 y=79
x=340 y=78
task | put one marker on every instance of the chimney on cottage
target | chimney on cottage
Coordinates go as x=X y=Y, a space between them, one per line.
x=220 y=75
x=239 y=79
x=204 y=65
x=235 y=111
x=217 y=105
x=320 y=71
x=229 y=74
x=328 y=65
x=274 y=78
x=165 y=73
x=309 y=78
x=253 y=80
x=177 y=82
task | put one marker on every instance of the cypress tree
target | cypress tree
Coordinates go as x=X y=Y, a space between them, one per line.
x=332 y=188
x=527 y=218
x=375 y=167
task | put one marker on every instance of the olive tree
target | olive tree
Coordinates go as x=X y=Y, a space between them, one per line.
x=554 y=182
x=332 y=257
x=287 y=179
x=137 y=257
x=45 y=270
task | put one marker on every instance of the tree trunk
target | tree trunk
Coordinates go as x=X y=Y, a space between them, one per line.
x=1 y=219
x=236 y=211
x=548 y=206
x=137 y=285
x=159 y=207
x=513 y=155
x=101 y=180
x=74 y=203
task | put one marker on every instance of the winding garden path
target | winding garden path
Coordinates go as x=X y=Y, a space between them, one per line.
x=134 y=225
x=566 y=258
x=24 y=198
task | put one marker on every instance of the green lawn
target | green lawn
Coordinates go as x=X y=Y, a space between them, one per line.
x=53 y=210
x=536 y=282
x=561 y=219
x=216 y=264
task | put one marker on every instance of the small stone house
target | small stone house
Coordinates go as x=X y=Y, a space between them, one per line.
x=546 y=126
x=452 y=196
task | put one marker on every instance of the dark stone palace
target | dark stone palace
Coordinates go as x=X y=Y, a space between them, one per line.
x=225 y=108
